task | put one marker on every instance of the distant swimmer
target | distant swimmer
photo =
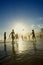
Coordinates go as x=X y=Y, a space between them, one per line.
x=12 y=34
x=33 y=35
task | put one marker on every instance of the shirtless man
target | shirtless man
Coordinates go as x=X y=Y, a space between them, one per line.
x=12 y=34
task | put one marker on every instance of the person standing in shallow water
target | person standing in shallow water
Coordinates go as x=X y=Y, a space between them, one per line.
x=4 y=37
x=33 y=35
x=34 y=42
x=12 y=34
x=5 y=41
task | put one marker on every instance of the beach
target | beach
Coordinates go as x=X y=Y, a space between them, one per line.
x=25 y=53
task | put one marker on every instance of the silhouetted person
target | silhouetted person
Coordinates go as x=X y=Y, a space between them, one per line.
x=16 y=36
x=5 y=41
x=4 y=37
x=12 y=35
x=33 y=35
x=29 y=37
x=34 y=43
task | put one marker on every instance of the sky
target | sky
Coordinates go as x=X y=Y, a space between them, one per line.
x=28 y=12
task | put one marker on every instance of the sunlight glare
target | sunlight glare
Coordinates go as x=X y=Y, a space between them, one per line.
x=20 y=28
x=20 y=41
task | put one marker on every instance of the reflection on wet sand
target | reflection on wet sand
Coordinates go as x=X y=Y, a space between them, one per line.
x=13 y=50
x=5 y=47
x=13 y=53
x=34 y=46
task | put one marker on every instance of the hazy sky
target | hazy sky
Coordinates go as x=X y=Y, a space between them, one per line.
x=30 y=12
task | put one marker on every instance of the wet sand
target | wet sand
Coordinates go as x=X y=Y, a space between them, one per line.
x=28 y=55
x=23 y=59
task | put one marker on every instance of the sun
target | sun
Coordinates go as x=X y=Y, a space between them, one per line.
x=20 y=28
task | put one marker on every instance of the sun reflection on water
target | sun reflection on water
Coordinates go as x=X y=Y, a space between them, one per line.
x=20 y=45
